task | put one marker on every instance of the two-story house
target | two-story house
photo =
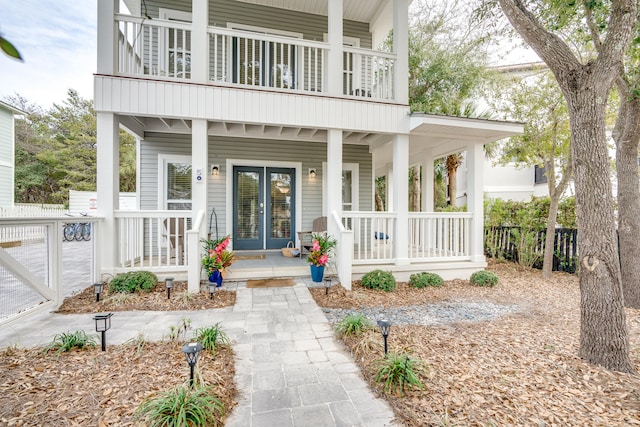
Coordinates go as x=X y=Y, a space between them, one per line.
x=262 y=115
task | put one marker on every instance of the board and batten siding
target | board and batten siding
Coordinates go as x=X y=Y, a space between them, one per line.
x=6 y=157
x=309 y=154
x=222 y=12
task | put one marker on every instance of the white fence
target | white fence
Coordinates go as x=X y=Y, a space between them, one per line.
x=373 y=236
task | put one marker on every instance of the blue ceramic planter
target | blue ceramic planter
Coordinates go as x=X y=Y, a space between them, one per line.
x=216 y=277
x=317 y=271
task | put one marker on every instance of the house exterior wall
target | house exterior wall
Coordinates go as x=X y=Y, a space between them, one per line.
x=309 y=154
x=6 y=157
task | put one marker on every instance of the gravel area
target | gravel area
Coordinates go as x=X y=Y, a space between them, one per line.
x=428 y=314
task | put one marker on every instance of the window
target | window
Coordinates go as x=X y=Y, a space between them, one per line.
x=540 y=175
x=174 y=182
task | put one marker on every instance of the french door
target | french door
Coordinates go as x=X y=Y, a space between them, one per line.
x=263 y=207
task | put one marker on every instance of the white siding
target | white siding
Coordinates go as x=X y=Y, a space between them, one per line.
x=310 y=154
x=6 y=157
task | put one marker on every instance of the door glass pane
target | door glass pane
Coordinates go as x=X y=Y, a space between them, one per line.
x=248 y=209
x=347 y=190
x=280 y=187
x=178 y=186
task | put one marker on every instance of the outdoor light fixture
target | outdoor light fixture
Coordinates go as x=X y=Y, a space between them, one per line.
x=385 y=327
x=212 y=289
x=191 y=352
x=327 y=285
x=98 y=287
x=103 y=324
x=169 y=282
x=215 y=170
x=312 y=173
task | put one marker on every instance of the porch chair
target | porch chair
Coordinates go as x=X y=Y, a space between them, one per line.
x=174 y=229
x=319 y=225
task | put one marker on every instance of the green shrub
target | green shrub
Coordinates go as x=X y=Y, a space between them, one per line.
x=378 y=279
x=133 y=281
x=353 y=324
x=211 y=337
x=68 y=340
x=181 y=406
x=425 y=280
x=399 y=372
x=484 y=278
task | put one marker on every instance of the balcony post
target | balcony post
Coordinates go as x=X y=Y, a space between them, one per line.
x=108 y=179
x=200 y=41
x=201 y=176
x=400 y=198
x=107 y=45
x=401 y=49
x=475 y=202
x=335 y=66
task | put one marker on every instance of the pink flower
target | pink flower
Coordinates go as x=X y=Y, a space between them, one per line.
x=315 y=246
x=323 y=259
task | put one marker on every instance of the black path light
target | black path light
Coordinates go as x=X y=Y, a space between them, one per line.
x=103 y=324
x=191 y=351
x=169 y=282
x=98 y=287
x=212 y=289
x=327 y=285
x=385 y=327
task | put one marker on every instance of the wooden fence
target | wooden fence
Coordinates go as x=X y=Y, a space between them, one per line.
x=514 y=244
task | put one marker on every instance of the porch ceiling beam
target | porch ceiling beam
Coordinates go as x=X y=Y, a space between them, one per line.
x=186 y=123
x=166 y=122
x=133 y=126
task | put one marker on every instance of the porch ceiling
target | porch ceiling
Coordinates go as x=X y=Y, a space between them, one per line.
x=355 y=10
x=140 y=125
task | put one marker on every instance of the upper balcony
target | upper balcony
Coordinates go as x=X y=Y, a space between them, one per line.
x=246 y=56
x=162 y=49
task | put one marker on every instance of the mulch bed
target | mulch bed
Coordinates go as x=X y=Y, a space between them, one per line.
x=155 y=300
x=520 y=369
x=95 y=388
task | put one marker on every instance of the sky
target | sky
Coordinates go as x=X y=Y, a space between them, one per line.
x=57 y=40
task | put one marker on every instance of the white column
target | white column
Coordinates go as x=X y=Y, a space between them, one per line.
x=107 y=36
x=334 y=178
x=401 y=197
x=335 y=39
x=108 y=180
x=201 y=171
x=200 y=41
x=401 y=49
x=427 y=181
x=475 y=199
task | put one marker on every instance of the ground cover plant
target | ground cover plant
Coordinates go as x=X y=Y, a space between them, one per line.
x=379 y=279
x=154 y=300
x=425 y=279
x=520 y=369
x=133 y=281
x=94 y=388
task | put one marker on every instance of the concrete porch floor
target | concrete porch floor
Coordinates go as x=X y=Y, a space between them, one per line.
x=269 y=264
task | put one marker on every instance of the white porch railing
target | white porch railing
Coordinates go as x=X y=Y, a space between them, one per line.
x=162 y=49
x=373 y=234
x=344 y=255
x=441 y=235
x=152 y=240
x=444 y=236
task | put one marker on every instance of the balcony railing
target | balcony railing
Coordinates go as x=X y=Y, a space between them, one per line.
x=162 y=49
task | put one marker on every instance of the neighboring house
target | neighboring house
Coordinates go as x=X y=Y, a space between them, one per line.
x=262 y=115
x=7 y=153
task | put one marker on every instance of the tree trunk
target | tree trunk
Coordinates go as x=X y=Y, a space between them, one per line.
x=626 y=136
x=453 y=188
x=603 y=330
x=547 y=263
x=416 y=190
x=379 y=204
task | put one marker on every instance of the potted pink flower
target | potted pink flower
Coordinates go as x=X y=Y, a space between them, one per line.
x=321 y=249
x=217 y=258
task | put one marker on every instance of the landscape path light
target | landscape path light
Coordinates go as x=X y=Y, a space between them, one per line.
x=327 y=285
x=191 y=352
x=212 y=289
x=103 y=324
x=169 y=282
x=385 y=328
x=98 y=287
